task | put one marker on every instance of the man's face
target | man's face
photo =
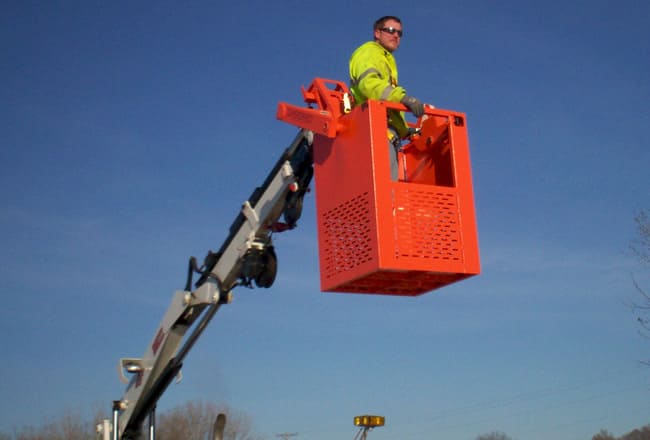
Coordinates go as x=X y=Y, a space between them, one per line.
x=389 y=41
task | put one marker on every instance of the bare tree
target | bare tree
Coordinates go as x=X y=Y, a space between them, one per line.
x=194 y=420
x=638 y=434
x=70 y=427
x=494 y=435
x=191 y=421
x=641 y=248
x=603 y=435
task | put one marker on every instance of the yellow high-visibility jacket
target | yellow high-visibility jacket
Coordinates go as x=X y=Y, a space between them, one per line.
x=373 y=75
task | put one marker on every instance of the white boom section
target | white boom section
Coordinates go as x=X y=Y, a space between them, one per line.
x=252 y=233
x=159 y=361
x=222 y=271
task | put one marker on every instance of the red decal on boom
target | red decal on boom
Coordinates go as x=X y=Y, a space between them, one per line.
x=160 y=336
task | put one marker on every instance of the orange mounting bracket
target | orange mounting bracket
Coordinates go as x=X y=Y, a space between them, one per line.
x=332 y=99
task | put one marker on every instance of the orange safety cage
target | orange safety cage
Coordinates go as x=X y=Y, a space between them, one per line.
x=377 y=235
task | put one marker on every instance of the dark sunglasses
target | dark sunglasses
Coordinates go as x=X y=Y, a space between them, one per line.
x=392 y=30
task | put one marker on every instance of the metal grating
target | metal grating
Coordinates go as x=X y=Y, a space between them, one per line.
x=409 y=283
x=347 y=236
x=427 y=224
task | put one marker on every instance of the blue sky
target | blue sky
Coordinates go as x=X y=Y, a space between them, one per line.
x=130 y=134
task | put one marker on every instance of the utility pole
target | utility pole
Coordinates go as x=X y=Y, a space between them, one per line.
x=286 y=435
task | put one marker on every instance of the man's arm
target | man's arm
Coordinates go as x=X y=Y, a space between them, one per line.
x=375 y=84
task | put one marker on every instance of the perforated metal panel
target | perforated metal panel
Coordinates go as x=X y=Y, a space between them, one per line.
x=347 y=235
x=402 y=237
x=408 y=283
x=427 y=225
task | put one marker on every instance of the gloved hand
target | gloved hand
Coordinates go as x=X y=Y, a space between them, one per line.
x=414 y=105
x=413 y=132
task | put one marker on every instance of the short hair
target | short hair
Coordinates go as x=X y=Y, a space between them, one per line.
x=380 y=23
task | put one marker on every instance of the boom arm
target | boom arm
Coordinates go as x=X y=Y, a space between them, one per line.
x=246 y=256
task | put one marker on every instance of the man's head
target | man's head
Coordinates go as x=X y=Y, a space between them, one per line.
x=388 y=32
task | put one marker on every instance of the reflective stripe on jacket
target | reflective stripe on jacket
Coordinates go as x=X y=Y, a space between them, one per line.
x=373 y=75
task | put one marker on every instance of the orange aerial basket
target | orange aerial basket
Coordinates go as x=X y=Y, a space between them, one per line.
x=375 y=234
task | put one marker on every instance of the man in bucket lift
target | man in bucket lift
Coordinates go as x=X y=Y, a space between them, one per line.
x=373 y=75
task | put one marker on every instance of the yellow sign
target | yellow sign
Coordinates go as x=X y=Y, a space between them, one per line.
x=369 y=421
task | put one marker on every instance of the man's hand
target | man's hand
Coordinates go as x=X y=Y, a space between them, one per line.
x=414 y=105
